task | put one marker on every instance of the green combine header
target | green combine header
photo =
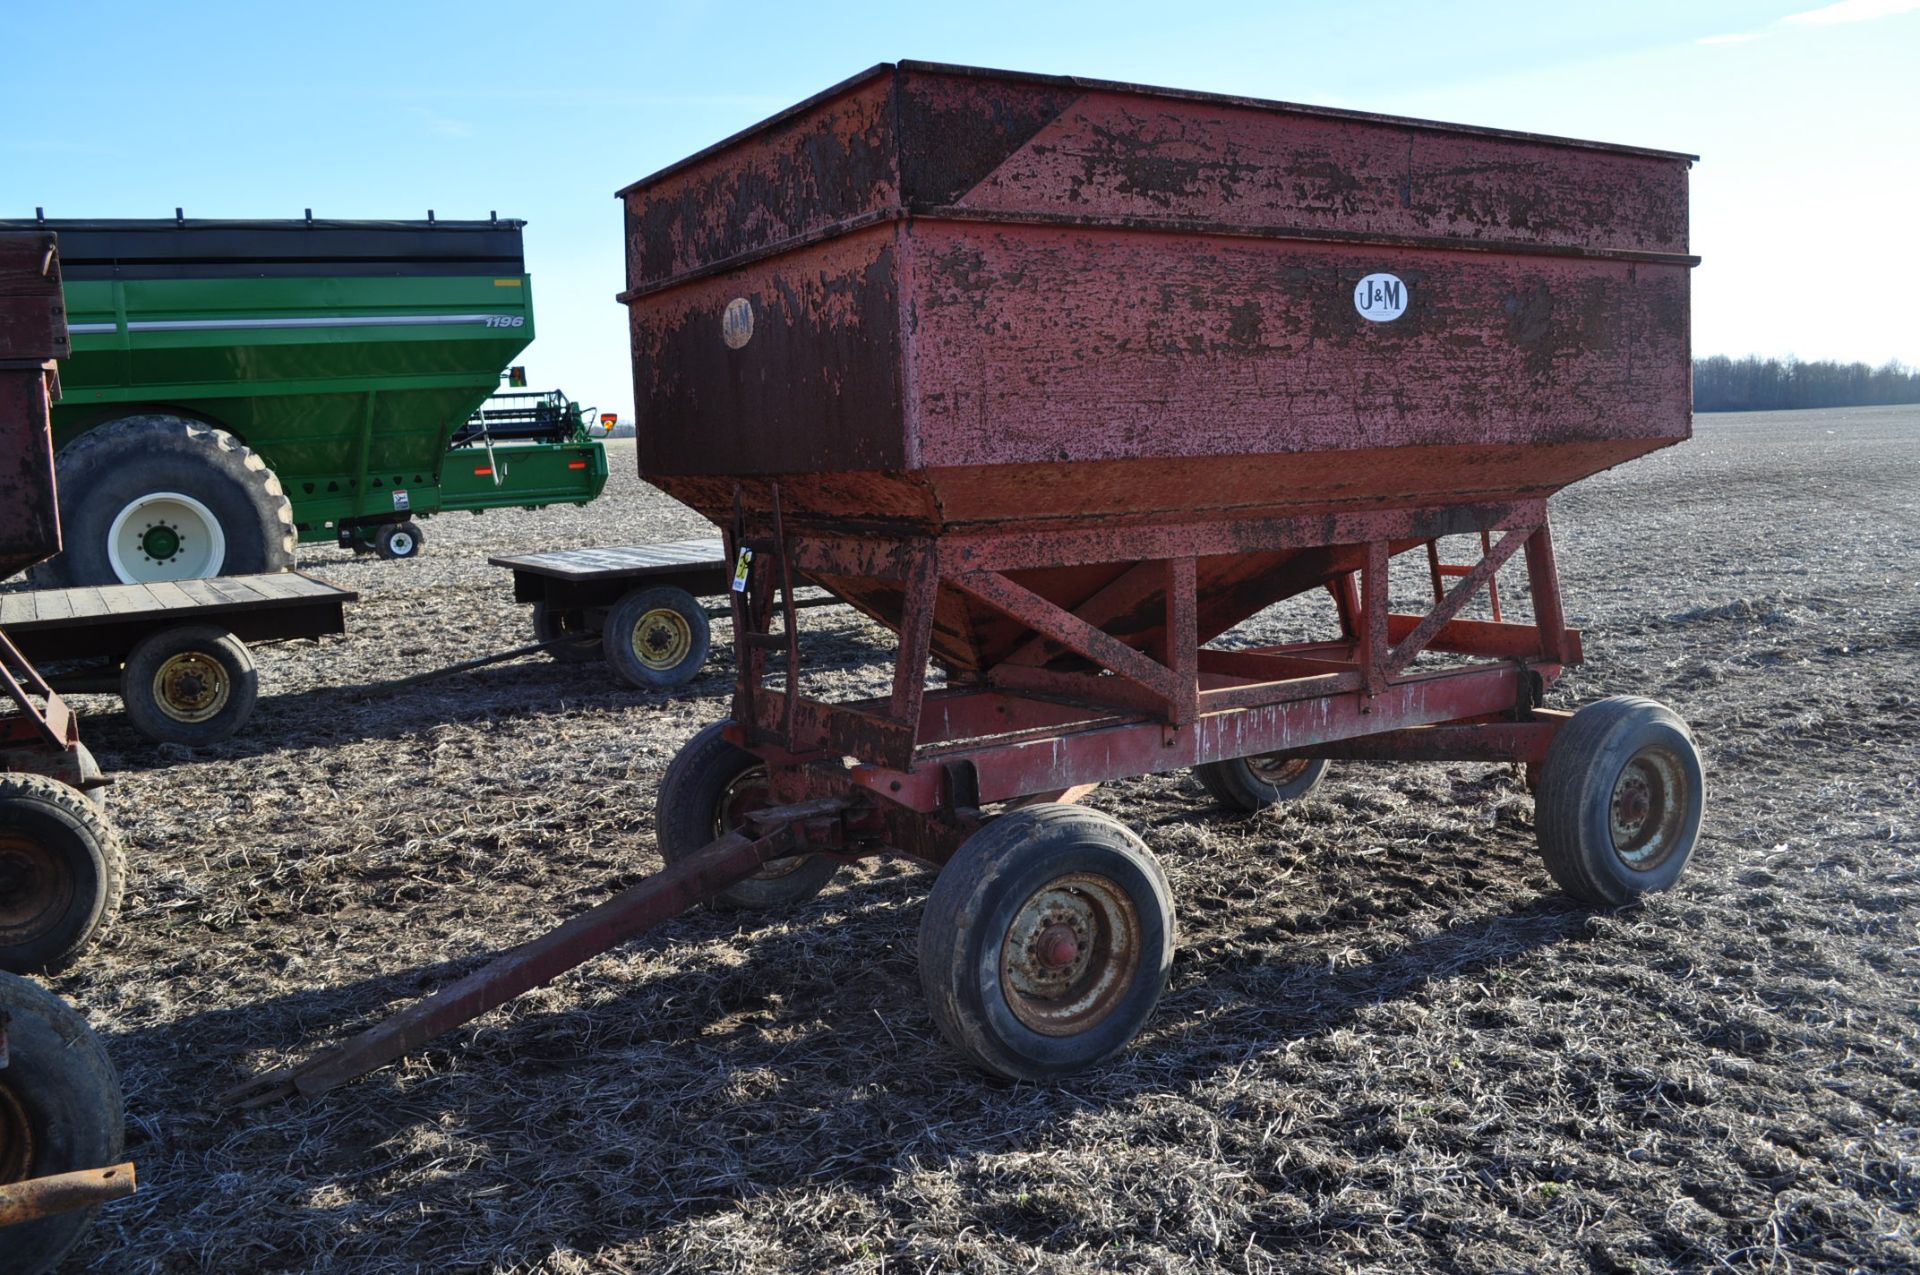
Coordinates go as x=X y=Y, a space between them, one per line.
x=240 y=386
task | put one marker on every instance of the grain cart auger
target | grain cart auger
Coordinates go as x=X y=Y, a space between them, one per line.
x=61 y=861
x=1061 y=380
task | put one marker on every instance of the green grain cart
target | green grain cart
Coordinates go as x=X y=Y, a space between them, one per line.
x=240 y=386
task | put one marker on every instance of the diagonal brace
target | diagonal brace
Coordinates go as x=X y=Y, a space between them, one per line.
x=1457 y=598
x=1070 y=631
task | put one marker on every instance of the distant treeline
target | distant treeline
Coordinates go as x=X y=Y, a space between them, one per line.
x=1721 y=384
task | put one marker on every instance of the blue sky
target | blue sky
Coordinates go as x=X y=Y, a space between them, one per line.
x=1807 y=118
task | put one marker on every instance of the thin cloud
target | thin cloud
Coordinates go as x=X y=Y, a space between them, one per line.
x=1852 y=11
x=1832 y=15
x=444 y=126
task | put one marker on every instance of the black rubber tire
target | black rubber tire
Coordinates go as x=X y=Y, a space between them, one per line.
x=557 y=622
x=62 y=871
x=1238 y=785
x=975 y=904
x=111 y=465
x=657 y=638
x=396 y=541
x=61 y=1111
x=1614 y=753
x=224 y=667
x=687 y=816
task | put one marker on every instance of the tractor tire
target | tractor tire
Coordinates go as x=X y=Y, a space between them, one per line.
x=656 y=639
x=1251 y=784
x=61 y=1111
x=1046 y=942
x=62 y=871
x=1620 y=802
x=192 y=685
x=551 y=623
x=150 y=498
x=709 y=786
x=397 y=540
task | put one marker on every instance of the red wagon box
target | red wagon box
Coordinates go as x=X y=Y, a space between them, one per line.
x=33 y=333
x=945 y=297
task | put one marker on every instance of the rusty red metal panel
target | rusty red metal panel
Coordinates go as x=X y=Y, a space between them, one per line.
x=1123 y=153
x=831 y=159
x=1072 y=300
x=1047 y=346
x=33 y=332
x=728 y=366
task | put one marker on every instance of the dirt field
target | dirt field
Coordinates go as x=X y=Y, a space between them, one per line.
x=1388 y=1044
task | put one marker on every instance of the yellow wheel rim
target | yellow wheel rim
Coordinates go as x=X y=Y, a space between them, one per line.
x=191 y=687
x=662 y=639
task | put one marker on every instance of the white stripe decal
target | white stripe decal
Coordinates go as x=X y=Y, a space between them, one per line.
x=356 y=321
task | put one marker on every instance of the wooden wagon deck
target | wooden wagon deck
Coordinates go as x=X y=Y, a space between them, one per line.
x=104 y=621
x=597 y=577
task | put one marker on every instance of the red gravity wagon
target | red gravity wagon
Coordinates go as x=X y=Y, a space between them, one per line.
x=1061 y=380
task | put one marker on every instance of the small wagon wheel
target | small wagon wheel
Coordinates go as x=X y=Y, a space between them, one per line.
x=1620 y=801
x=1046 y=942
x=709 y=788
x=657 y=638
x=1254 y=783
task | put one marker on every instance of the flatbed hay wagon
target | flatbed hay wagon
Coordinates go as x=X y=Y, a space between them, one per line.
x=178 y=654
x=635 y=606
x=1061 y=380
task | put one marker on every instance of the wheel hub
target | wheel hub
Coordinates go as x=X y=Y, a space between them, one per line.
x=1278 y=771
x=740 y=798
x=1070 y=954
x=191 y=687
x=1058 y=948
x=662 y=639
x=1647 y=808
x=33 y=890
x=160 y=541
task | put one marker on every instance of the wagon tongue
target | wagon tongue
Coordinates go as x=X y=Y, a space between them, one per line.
x=696 y=879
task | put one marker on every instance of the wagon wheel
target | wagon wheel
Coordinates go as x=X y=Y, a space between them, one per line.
x=195 y=684
x=60 y=1112
x=62 y=868
x=399 y=540
x=551 y=622
x=1046 y=942
x=1254 y=783
x=1621 y=796
x=656 y=638
x=709 y=788
x=152 y=498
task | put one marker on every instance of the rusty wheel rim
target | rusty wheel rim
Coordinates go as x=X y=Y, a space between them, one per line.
x=191 y=687
x=662 y=639
x=34 y=892
x=1278 y=771
x=744 y=794
x=1647 y=807
x=1070 y=954
x=16 y=1136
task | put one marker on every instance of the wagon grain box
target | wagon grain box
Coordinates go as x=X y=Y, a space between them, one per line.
x=1061 y=380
